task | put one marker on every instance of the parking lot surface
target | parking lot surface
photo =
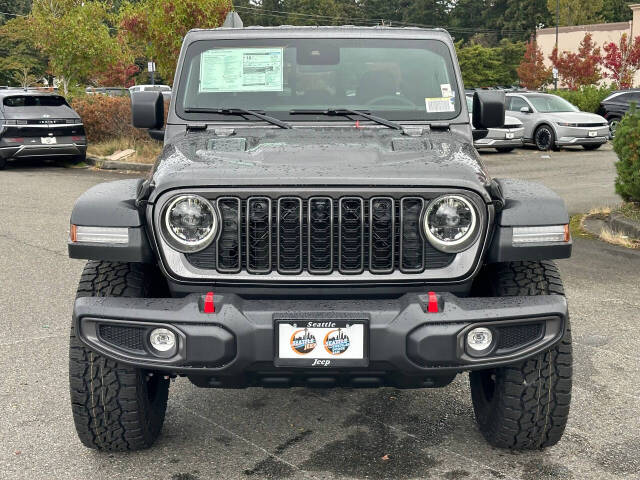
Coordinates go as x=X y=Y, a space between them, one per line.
x=301 y=433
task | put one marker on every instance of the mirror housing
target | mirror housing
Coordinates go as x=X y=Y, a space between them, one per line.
x=147 y=110
x=525 y=110
x=488 y=109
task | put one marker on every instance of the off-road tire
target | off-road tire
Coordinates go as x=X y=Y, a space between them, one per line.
x=505 y=149
x=545 y=138
x=115 y=407
x=525 y=406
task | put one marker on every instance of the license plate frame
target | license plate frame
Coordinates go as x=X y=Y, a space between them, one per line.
x=320 y=356
x=48 y=140
x=509 y=135
x=593 y=133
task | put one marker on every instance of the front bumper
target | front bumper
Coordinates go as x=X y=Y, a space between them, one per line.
x=65 y=149
x=567 y=136
x=235 y=345
x=497 y=143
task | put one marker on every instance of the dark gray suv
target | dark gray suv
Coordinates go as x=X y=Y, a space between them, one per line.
x=319 y=217
x=36 y=124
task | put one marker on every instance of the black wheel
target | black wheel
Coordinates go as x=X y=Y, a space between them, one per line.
x=525 y=406
x=505 y=149
x=593 y=146
x=544 y=138
x=115 y=407
x=3 y=163
x=613 y=125
x=76 y=159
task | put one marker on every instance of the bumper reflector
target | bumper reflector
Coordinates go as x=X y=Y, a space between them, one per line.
x=545 y=234
x=107 y=235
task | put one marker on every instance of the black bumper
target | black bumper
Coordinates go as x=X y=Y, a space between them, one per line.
x=235 y=345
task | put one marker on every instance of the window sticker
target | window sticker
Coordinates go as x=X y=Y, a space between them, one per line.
x=445 y=88
x=241 y=70
x=440 y=104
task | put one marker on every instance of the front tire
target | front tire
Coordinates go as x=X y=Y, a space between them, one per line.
x=115 y=407
x=525 y=406
x=545 y=138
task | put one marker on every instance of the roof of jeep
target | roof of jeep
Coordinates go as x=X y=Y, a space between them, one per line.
x=345 y=31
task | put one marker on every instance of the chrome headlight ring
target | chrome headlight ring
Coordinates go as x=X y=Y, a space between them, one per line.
x=470 y=234
x=203 y=231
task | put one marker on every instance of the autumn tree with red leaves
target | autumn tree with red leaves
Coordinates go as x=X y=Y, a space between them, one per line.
x=622 y=61
x=156 y=27
x=532 y=71
x=578 y=69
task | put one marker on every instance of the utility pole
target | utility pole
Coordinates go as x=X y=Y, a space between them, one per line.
x=555 y=70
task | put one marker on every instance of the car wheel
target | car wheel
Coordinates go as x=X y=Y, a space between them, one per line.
x=594 y=146
x=613 y=125
x=525 y=405
x=545 y=138
x=115 y=407
x=77 y=159
x=3 y=163
x=505 y=149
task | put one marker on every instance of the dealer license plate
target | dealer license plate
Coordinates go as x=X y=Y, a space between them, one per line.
x=321 y=343
x=48 y=140
x=593 y=134
x=509 y=135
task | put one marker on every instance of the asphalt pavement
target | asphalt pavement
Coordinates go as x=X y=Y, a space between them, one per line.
x=308 y=434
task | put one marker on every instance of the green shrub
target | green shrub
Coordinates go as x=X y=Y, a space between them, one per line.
x=586 y=99
x=627 y=146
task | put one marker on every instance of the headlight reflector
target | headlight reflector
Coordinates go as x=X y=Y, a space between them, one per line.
x=189 y=223
x=451 y=223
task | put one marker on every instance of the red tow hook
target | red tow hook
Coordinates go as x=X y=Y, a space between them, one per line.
x=432 y=306
x=207 y=304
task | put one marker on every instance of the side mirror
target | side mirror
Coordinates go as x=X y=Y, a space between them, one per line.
x=488 y=109
x=147 y=110
x=525 y=110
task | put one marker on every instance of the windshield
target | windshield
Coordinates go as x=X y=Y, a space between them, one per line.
x=34 y=101
x=396 y=79
x=551 y=103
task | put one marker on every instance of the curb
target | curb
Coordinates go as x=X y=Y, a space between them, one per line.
x=622 y=224
x=112 y=165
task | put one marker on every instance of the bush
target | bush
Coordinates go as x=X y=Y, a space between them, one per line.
x=106 y=118
x=627 y=146
x=586 y=99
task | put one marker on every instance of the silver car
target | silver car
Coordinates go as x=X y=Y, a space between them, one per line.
x=550 y=122
x=502 y=139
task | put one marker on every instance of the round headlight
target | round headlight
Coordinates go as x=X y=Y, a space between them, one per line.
x=190 y=223
x=451 y=223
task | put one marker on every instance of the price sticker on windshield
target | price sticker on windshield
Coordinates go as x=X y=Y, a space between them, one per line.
x=440 y=104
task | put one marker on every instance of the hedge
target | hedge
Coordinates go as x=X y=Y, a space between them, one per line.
x=586 y=99
x=626 y=144
x=106 y=117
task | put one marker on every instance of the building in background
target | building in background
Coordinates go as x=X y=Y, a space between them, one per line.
x=569 y=38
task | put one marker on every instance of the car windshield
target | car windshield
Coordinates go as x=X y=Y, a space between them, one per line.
x=551 y=104
x=395 y=79
x=34 y=101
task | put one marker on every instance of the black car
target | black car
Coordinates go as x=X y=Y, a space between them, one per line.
x=319 y=217
x=616 y=105
x=36 y=124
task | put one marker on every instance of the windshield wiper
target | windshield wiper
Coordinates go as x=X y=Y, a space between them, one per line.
x=241 y=112
x=346 y=112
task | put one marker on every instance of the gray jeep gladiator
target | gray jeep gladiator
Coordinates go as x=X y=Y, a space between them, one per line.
x=319 y=218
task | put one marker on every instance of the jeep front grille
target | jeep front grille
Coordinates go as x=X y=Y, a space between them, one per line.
x=320 y=235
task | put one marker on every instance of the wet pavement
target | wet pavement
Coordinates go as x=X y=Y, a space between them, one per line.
x=310 y=434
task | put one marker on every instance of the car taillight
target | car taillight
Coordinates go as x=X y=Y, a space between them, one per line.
x=15 y=140
x=77 y=138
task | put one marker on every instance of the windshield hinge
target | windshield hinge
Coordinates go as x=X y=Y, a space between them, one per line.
x=196 y=126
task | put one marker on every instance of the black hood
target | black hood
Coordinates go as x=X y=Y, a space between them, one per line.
x=319 y=157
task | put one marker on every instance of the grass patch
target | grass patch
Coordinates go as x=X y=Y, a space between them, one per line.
x=146 y=150
x=576 y=227
x=630 y=210
x=617 y=238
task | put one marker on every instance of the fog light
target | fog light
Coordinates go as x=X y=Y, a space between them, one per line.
x=479 y=339
x=162 y=339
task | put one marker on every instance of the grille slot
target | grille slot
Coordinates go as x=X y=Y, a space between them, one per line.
x=516 y=336
x=128 y=338
x=351 y=236
x=289 y=235
x=320 y=235
x=259 y=235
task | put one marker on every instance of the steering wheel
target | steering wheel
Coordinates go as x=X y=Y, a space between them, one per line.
x=404 y=100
